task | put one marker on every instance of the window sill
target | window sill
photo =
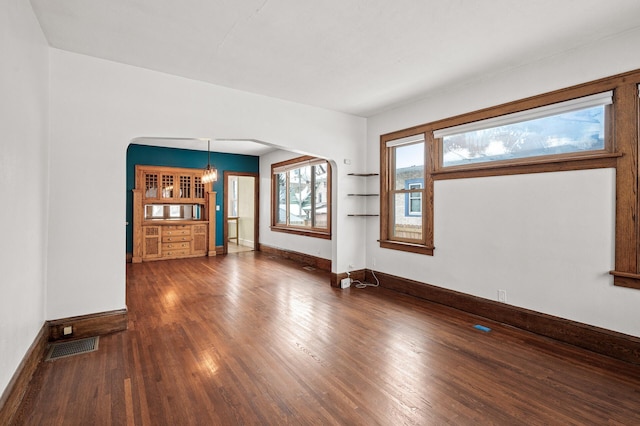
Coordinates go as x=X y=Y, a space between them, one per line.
x=409 y=247
x=626 y=279
x=541 y=165
x=303 y=232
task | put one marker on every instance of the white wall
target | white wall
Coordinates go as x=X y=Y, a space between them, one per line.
x=97 y=108
x=24 y=92
x=317 y=247
x=548 y=239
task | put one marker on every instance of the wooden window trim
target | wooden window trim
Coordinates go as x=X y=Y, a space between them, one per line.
x=622 y=151
x=387 y=192
x=556 y=163
x=292 y=229
x=538 y=164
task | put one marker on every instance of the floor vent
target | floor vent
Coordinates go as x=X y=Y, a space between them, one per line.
x=309 y=268
x=73 y=347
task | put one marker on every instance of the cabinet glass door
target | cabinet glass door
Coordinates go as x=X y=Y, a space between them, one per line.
x=151 y=185
x=167 y=186
x=185 y=187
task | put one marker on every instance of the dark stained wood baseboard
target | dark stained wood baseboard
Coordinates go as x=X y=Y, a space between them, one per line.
x=83 y=326
x=307 y=259
x=606 y=342
x=129 y=258
x=88 y=325
x=17 y=387
x=219 y=251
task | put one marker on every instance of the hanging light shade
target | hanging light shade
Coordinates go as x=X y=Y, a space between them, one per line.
x=210 y=174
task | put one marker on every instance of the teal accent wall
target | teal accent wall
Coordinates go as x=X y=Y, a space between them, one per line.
x=172 y=157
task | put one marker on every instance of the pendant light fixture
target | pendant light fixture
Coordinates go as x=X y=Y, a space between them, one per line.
x=210 y=174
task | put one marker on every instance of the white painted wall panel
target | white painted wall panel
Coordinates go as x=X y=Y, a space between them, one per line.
x=24 y=91
x=97 y=108
x=548 y=239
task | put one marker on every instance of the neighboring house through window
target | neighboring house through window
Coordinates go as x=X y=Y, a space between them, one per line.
x=413 y=200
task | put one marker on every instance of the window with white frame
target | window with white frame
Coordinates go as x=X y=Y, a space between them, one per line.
x=413 y=199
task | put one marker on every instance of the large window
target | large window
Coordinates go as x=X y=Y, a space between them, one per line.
x=564 y=129
x=592 y=125
x=301 y=197
x=406 y=195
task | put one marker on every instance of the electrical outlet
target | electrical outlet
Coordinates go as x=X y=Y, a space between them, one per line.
x=67 y=330
x=345 y=283
x=374 y=261
x=502 y=296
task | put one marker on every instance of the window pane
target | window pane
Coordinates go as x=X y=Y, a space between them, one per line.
x=415 y=203
x=302 y=187
x=282 y=198
x=409 y=164
x=405 y=226
x=321 y=196
x=574 y=131
x=174 y=211
x=300 y=196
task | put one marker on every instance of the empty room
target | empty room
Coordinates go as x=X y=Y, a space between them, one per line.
x=341 y=212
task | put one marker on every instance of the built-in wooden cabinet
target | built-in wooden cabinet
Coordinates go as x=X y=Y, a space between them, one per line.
x=166 y=184
x=173 y=214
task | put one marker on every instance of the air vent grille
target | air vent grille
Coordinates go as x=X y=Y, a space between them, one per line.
x=73 y=347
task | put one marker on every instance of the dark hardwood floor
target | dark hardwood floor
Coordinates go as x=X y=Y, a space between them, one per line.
x=249 y=339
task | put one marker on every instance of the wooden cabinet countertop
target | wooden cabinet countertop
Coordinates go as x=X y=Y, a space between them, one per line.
x=165 y=222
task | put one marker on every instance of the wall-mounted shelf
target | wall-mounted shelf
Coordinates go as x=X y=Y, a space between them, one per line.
x=362 y=195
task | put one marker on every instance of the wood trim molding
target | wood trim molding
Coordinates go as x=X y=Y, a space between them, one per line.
x=211 y=231
x=256 y=207
x=626 y=279
x=88 y=325
x=606 y=342
x=303 y=232
x=627 y=198
x=17 y=387
x=307 y=259
x=599 y=161
x=289 y=229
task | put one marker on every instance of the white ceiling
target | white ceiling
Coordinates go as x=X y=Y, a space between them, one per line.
x=361 y=57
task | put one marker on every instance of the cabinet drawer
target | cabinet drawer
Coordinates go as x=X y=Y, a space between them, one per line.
x=169 y=230
x=175 y=238
x=175 y=246
x=176 y=252
x=176 y=227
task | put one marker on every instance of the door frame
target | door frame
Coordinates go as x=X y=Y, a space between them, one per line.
x=256 y=208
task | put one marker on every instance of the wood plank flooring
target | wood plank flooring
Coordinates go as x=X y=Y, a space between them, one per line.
x=249 y=339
